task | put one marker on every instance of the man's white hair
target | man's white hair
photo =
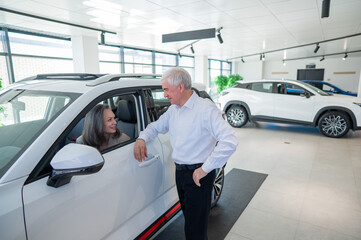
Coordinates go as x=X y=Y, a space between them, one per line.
x=177 y=75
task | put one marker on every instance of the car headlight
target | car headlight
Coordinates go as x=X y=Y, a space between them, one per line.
x=224 y=93
x=358 y=104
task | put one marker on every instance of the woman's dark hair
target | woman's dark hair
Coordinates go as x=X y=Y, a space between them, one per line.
x=93 y=131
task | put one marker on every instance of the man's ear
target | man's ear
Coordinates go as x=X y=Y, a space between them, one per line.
x=181 y=87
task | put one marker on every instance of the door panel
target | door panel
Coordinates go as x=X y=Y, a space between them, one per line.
x=93 y=206
x=289 y=104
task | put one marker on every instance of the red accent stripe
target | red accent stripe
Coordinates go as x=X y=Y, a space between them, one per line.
x=162 y=220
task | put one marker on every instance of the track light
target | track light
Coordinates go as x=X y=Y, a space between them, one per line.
x=219 y=35
x=317 y=47
x=242 y=60
x=192 y=49
x=344 y=57
x=263 y=57
x=102 y=38
x=325 y=8
x=323 y=58
x=179 y=54
x=284 y=63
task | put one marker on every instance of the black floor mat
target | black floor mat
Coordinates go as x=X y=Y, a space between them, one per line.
x=239 y=188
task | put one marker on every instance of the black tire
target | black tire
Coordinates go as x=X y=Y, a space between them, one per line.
x=334 y=124
x=237 y=116
x=217 y=186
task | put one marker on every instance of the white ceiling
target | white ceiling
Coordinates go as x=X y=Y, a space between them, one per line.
x=249 y=26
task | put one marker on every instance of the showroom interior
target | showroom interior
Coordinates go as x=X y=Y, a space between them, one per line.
x=312 y=183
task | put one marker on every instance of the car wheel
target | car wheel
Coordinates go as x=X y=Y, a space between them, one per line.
x=334 y=124
x=237 y=116
x=217 y=186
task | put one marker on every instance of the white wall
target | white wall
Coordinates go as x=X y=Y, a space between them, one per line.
x=249 y=70
x=276 y=70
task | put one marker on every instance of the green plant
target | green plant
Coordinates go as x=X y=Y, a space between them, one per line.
x=222 y=83
x=233 y=78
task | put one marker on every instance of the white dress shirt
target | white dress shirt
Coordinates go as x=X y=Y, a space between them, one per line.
x=194 y=130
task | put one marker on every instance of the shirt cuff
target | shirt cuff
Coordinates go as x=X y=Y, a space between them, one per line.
x=207 y=167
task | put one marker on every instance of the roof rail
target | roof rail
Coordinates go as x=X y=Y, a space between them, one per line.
x=116 y=77
x=69 y=76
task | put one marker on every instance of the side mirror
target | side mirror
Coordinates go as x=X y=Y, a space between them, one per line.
x=74 y=159
x=305 y=94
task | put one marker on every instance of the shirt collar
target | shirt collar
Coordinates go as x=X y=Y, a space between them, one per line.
x=190 y=102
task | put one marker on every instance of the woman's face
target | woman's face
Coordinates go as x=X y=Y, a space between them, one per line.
x=110 y=125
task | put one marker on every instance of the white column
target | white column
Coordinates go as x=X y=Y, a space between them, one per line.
x=359 y=87
x=201 y=70
x=85 y=54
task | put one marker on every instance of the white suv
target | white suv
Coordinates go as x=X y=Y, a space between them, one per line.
x=53 y=188
x=290 y=101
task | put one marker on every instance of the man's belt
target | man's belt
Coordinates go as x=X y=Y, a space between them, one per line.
x=188 y=167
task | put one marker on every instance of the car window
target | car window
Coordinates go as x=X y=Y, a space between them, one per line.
x=293 y=89
x=23 y=116
x=328 y=88
x=262 y=87
x=124 y=108
x=161 y=103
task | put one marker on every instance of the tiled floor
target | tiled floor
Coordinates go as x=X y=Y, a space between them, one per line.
x=313 y=188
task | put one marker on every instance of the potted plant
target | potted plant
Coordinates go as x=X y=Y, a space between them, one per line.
x=221 y=82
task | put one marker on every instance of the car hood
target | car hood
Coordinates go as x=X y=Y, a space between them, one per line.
x=343 y=98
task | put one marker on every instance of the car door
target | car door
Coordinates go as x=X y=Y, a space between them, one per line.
x=115 y=202
x=291 y=104
x=261 y=99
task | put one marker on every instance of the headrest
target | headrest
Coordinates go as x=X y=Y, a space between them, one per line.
x=126 y=111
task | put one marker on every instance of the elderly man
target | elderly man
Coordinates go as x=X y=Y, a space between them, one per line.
x=201 y=140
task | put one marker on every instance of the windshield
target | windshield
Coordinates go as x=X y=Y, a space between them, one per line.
x=319 y=91
x=23 y=115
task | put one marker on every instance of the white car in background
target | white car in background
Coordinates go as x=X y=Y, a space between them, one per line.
x=290 y=101
x=53 y=188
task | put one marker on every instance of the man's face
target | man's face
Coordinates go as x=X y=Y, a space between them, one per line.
x=172 y=93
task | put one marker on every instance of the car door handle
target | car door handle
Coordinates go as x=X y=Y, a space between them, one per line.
x=149 y=160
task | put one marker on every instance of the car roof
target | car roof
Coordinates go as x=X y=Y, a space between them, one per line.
x=81 y=83
x=269 y=80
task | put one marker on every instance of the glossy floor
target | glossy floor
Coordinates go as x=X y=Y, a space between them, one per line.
x=313 y=188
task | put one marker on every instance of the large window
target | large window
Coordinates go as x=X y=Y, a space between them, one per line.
x=33 y=55
x=164 y=61
x=110 y=59
x=137 y=61
x=217 y=68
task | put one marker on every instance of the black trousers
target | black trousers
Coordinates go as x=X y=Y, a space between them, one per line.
x=195 y=201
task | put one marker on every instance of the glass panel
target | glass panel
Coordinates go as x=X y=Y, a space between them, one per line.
x=113 y=68
x=4 y=72
x=137 y=68
x=165 y=59
x=108 y=53
x=226 y=65
x=186 y=61
x=39 y=46
x=213 y=74
x=22 y=115
x=137 y=56
x=215 y=64
x=161 y=69
x=226 y=72
x=36 y=66
x=160 y=102
x=262 y=87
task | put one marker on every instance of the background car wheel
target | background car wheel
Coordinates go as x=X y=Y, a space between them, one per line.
x=237 y=116
x=334 y=124
x=217 y=186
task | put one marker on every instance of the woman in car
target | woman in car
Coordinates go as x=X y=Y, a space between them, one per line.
x=100 y=129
